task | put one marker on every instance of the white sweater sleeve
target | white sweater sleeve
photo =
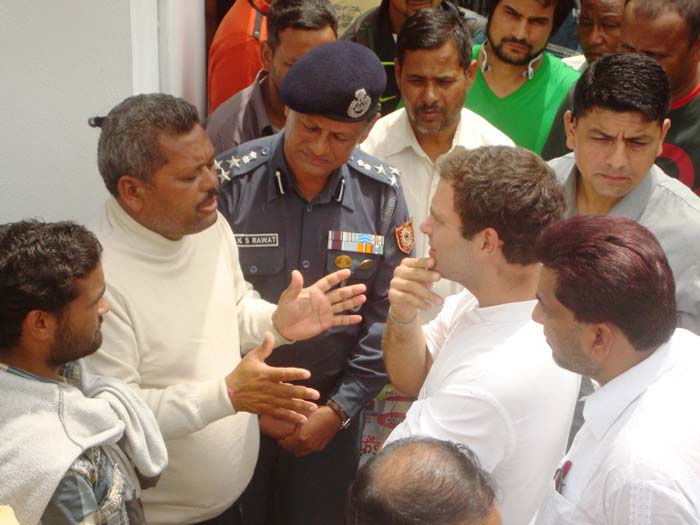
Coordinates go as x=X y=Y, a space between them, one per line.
x=181 y=408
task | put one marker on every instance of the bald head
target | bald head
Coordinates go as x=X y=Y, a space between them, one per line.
x=422 y=480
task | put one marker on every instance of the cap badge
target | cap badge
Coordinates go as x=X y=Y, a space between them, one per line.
x=405 y=236
x=360 y=104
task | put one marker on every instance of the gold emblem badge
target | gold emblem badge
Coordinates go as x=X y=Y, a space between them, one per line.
x=343 y=261
x=405 y=236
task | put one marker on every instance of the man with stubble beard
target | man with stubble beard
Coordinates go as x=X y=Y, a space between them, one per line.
x=518 y=87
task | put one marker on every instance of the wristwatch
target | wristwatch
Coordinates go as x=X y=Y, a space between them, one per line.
x=344 y=418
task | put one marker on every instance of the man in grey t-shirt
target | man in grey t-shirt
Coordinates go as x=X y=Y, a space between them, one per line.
x=616 y=130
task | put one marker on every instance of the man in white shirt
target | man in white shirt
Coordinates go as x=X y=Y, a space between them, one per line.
x=606 y=301
x=182 y=313
x=434 y=69
x=481 y=370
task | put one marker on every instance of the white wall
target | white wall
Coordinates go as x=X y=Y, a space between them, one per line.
x=62 y=62
x=181 y=52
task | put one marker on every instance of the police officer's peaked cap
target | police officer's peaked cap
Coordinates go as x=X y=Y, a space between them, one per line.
x=339 y=80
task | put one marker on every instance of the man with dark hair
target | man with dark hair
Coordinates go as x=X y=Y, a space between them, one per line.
x=599 y=28
x=70 y=443
x=481 y=370
x=182 y=312
x=419 y=480
x=606 y=301
x=518 y=86
x=308 y=196
x=616 y=130
x=293 y=28
x=378 y=28
x=434 y=70
x=668 y=32
x=599 y=24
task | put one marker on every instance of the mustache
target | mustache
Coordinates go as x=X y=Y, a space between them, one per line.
x=517 y=41
x=426 y=107
x=214 y=192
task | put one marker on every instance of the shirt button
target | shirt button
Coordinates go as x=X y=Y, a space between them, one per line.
x=253 y=269
x=265 y=151
x=305 y=263
x=309 y=207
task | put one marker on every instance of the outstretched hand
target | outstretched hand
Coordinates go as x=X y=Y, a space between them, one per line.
x=262 y=389
x=303 y=313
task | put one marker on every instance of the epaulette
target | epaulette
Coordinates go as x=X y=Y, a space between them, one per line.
x=374 y=168
x=242 y=159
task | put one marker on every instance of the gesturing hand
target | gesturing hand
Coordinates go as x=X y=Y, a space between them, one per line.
x=409 y=290
x=263 y=389
x=305 y=312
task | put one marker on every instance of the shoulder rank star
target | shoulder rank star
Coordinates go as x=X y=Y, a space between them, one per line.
x=223 y=174
x=405 y=236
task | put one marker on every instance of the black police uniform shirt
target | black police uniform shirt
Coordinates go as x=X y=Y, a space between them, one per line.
x=277 y=230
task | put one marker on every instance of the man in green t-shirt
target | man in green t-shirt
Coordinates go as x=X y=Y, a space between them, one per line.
x=518 y=86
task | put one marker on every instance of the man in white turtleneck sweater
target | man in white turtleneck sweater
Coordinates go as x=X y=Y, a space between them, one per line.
x=182 y=313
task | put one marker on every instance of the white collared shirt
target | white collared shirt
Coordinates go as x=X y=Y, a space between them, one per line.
x=494 y=387
x=393 y=141
x=636 y=459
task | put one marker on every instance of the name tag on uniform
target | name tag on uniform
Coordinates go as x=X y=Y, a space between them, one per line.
x=257 y=240
x=356 y=242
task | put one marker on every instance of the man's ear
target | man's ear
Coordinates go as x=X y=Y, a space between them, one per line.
x=569 y=129
x=470 y=73
x=603 y=340
x=131 y=191
x=397 y=73
x=490 y=240
x=266 y=55
x=695 y=50
x=39 y=325
x=664 y=130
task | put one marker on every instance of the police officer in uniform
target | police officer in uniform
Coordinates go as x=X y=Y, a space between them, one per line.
x=307 y=198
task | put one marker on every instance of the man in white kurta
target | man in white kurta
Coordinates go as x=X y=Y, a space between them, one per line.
x=482 y=371
x=434 y=77
x=182 y=313
x=635 y=460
